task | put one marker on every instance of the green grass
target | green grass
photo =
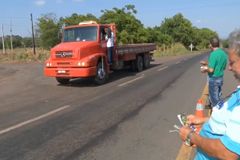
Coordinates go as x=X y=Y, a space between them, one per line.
x=24 y=55
x=175 y=50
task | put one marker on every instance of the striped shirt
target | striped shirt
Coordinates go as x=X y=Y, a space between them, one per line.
x=224 y=124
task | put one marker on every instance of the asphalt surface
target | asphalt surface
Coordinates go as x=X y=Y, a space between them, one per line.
x=127 y=118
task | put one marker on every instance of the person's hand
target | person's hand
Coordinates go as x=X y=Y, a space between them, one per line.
x=194 y=120
x=204 y=69
x=183 y=132
x=106 y=37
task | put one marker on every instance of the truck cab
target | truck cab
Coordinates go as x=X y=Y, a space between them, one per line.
x=82 y=53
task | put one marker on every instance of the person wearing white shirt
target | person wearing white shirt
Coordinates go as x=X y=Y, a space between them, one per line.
x=110 y=45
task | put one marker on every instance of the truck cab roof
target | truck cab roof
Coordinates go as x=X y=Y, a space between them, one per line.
x=87 y=23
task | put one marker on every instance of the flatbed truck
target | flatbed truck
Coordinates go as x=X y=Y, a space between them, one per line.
x=83 y=54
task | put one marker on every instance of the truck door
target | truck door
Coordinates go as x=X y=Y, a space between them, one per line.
x=103 y=40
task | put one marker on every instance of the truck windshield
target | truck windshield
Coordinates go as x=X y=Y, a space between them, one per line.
x=80 y=34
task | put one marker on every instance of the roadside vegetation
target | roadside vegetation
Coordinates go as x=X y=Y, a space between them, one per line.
x=174 y=50
x=24 y=55
x=173 y=35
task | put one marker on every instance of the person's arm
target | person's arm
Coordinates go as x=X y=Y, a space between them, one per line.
x=210 y=70
x=213 y=147
x=206 y=69
x=211 y=63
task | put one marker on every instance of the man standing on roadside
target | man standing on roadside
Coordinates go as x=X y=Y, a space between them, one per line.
x=215 y=67
x=219 y=137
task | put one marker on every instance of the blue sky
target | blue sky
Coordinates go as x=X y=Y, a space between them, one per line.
x=221 y=16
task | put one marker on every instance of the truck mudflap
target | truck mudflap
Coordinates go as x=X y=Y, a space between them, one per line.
x=70 y=72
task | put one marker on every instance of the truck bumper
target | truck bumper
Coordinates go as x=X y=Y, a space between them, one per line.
x=70 y=72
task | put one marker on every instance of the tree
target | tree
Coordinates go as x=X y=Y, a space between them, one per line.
x=179 y=28
x=129 y=28
x=127 y=24
x=17 y=41
x=202 y=37
x=27 y=42
x=48 y=30
x=75 y=19
x=156 y=35
x=225 y=43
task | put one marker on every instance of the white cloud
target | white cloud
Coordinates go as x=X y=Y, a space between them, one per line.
x=40 y=2
x=198 y=21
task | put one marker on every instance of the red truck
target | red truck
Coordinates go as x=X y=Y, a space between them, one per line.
x=83 y=53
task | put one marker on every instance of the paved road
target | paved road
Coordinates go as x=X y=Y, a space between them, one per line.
x=127 y=118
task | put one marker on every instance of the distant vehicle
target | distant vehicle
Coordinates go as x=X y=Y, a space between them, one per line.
x=83 y=53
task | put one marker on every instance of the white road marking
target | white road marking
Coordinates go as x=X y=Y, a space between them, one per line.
x=33 y=120
x=133 y=80
x=160 y=69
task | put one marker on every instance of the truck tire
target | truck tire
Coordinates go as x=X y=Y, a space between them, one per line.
x=63 y=81
x=101 y=74
x=139 y=63
x=146 y=61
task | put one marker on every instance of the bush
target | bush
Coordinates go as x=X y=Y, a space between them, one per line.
x=172 y=50
x=24 y=55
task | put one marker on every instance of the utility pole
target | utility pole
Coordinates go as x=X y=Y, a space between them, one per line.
x=11 y=37
x=33 y=38
x=3 y=44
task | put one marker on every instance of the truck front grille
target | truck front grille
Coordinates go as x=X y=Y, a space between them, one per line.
x=64 y=54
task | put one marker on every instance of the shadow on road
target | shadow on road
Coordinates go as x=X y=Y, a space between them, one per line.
x=116 y=75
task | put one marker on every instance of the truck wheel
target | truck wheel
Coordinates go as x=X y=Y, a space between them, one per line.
x=63 y=81
x=101 y=75
x=146 y=60
x=139 y=63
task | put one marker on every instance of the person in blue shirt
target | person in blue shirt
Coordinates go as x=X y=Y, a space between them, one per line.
x=219 y=137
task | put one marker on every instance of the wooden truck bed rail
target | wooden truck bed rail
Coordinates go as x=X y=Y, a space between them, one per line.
x=135 y=48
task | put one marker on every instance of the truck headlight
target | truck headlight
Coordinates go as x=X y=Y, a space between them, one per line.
x=83 y=64
x=48 y=64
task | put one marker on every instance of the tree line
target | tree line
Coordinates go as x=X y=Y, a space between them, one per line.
x=176 y=29
x=17 y=41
